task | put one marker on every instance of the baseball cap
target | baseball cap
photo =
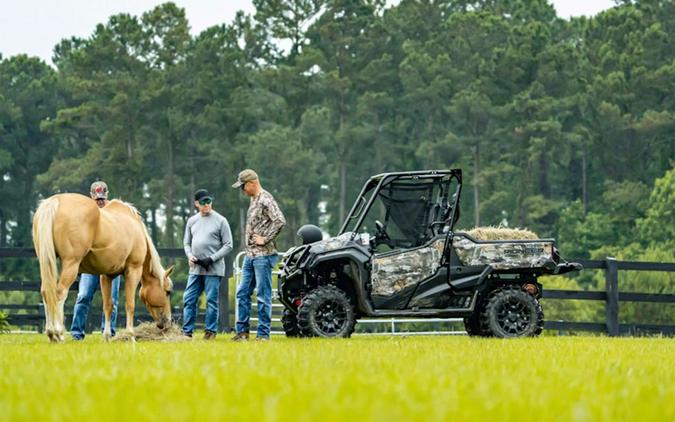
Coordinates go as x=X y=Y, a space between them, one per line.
x=247 y=175
x=201 y=194
x=99 y=190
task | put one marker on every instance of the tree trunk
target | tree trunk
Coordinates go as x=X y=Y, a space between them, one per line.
x=377 y=140
x=522 y=213
x=193 y=188
x=23 y=217
x=3 y=233
x=544 y=187
x=242 y=224
x=476 y=188
x=312 y=209
x=153 y=225
x=130 y=138
x=584 y=179
x=302 y=217
x=170 y=193
x=343 y=190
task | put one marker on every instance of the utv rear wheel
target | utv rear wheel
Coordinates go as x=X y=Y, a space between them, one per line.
x=290 y=323
x=326 y=312
x=512 y=312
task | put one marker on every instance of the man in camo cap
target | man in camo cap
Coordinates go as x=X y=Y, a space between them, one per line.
x=89 y=282
x=264 y=221
x=99 y=193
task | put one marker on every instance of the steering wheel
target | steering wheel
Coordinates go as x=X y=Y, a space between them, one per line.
x=381 y=232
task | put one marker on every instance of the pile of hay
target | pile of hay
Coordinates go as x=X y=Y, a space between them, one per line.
x=501 y=233
x=148 y=331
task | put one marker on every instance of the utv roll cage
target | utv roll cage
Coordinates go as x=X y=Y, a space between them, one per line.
x=379 y=182
x=439 y=216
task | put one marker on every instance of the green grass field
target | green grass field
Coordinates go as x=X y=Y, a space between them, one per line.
x=364 y=378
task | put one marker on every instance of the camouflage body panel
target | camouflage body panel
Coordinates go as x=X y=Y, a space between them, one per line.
x=504 y=255
x=333 y=243
x=392 y=273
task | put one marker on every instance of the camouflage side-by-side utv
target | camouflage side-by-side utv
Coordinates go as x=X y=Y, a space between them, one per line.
x=397 y=255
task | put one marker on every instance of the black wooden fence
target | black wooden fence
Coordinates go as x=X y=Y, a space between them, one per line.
x=612 y=297
x=33 y=315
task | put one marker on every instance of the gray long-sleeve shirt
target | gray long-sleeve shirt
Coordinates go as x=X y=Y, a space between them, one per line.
x=208 y=236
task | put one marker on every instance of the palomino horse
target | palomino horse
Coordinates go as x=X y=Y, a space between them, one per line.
x=108 y=241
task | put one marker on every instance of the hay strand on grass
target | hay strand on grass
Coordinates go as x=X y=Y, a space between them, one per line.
x=148 y=331
x=501 y=233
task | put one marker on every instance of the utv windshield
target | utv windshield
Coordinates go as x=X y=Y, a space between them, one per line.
x=403 y=210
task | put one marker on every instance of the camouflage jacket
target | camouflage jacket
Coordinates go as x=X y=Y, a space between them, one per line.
x=264 y=218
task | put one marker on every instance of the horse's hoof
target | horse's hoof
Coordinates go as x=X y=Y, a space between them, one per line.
x=107 y=337
x=55 y=336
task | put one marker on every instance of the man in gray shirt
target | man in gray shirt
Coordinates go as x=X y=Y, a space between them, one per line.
x=207 y=241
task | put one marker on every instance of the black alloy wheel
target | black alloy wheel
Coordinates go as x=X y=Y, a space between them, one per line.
x=512 y=312
x=326 y=312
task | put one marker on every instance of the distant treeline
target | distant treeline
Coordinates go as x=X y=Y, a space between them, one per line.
x=564 y=127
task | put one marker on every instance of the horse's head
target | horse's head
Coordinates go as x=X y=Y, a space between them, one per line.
x=156 y=295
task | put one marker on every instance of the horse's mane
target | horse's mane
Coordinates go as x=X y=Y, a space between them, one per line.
x=156 y=268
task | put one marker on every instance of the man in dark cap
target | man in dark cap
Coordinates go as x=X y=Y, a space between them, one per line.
x=207 y=241
x=90 y=282
x=264 y=221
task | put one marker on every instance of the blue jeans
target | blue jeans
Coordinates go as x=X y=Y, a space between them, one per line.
x=256 y=274
x=87 y=287
x=195 y=286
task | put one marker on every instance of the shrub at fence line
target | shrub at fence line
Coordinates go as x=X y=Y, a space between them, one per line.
x=4 y=324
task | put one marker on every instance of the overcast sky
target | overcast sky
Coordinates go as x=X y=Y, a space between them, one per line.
x=34 y=27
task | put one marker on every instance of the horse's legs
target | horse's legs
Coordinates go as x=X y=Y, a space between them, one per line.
x=106 y=292
x=132 y=276
x=68 y=275
x=49 y=301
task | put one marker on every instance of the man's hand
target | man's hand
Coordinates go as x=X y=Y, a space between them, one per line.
x=204 y=262
x=259 y=240
x=192 y=260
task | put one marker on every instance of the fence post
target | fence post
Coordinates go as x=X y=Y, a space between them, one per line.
x=612 y=290
x=224 y=298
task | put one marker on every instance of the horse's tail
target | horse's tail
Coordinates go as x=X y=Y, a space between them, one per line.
x=43 y=240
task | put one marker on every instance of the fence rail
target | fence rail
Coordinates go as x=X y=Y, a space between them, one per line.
x=612 y=297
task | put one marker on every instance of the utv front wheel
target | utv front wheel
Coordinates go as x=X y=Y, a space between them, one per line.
x=326 y=312
x=290 y=323
x=512 y=312
x=472 y=325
